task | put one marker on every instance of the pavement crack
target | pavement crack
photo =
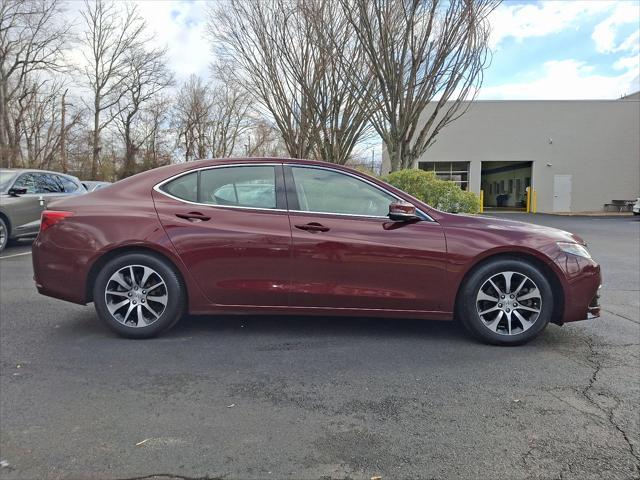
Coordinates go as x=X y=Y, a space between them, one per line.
x=608 y=412
x=621 y=316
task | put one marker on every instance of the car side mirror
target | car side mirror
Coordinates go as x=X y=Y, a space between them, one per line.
x=16 y=192
x=402 y=212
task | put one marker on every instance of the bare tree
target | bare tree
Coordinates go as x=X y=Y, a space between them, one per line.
x=43 y=131
x=158 y=146
x=32 y=40
x=147 y=76
x=209 y=119
x=287 y=54
x=426 y=58
x=110 y=34
x=192 y=107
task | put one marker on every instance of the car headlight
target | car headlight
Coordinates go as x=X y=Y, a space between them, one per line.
x=574 y=249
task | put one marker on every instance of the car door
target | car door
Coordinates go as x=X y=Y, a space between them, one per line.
x=348 y=254
x=230 y=226
x=25 y=209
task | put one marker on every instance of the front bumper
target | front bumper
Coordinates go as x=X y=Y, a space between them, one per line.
x=581 y=285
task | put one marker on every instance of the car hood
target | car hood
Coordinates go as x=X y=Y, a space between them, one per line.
x=509 y=227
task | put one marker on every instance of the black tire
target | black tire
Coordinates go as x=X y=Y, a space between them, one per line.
x=173 y=287
x=4 y=234
x=469 y=314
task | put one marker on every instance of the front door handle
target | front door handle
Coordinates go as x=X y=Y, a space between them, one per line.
x=193 y=216
x=313 y=227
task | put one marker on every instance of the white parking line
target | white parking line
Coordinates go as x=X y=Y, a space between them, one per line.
x=16 y=255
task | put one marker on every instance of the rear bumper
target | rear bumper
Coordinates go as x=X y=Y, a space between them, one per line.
x=60 y=272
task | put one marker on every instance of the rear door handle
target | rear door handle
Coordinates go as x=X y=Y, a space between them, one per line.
x=193 y=216
x=313 y=227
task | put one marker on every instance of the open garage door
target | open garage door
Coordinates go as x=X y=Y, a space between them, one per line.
x=505 y=185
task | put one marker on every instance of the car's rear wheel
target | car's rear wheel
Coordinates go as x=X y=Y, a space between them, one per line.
x=506 y=302
x=139 y=295
x=4 y=234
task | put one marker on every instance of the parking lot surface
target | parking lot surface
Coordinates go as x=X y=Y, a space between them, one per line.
x=317 y=398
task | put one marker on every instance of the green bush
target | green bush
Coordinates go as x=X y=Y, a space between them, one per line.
x=444 y=195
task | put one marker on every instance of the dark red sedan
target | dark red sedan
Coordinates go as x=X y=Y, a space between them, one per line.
x=300 y=237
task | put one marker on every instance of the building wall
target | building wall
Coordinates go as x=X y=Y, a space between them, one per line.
x=595 y=141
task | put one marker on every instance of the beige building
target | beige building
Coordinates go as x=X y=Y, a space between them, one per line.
x=577 y=154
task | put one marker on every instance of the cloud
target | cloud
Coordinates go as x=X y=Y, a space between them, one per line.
x=181 y=26
x=605 y=33
x=569 y=79
x=542 y=19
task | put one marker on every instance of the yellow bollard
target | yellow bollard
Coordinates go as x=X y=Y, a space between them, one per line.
x=481 y=201
x=528 y=199
x=535 y=201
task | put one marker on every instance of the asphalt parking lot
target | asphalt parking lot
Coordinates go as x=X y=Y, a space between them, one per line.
x=314 y=398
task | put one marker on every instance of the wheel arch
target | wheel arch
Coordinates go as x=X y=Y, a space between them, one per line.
x=101 y=261
x=7 y=222
x=548 y=270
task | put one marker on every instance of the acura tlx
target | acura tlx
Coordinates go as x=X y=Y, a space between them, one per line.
x=286 y=236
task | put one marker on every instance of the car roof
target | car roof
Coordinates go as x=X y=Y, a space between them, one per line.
x=35 y=170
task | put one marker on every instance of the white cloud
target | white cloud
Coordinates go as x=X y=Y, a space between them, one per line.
x=539 y=20
x=569 y=79
x=604 y=34
x=181 y=26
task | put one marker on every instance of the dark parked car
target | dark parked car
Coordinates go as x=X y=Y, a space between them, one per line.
x=300 y=237
x=24 y=194
x=92 y=185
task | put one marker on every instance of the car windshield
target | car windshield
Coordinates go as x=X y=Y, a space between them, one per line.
x=6 y=179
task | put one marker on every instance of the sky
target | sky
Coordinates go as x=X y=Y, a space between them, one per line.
x=540 y=49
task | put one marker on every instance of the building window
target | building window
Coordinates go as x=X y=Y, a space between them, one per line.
x=527 y=182
x=510 y=185
x=502 y=186
x=455 y=171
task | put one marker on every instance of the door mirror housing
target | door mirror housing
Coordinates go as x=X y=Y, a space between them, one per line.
x=403 y=212
x=16 y=192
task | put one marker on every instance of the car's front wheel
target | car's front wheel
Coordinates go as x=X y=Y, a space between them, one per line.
x=506 y=302
x=139 y=295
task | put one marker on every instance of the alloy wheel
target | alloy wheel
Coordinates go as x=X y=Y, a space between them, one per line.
x=136 y=296
x=509 y=303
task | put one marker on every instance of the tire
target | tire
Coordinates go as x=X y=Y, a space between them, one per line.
x=156 y=299
x=522 y=310
x=4 y=234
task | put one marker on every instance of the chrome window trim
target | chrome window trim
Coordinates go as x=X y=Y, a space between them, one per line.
x=157 y=188
x=378 y=187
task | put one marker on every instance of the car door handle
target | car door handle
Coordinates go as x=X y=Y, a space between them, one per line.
x=193 y=216
x=313 y=227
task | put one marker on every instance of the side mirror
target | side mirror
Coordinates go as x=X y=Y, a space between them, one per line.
x=16 y=192
x=402 y=212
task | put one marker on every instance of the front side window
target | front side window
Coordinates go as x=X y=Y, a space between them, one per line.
x=326 y=191
x=250 y=186
x=26 y=181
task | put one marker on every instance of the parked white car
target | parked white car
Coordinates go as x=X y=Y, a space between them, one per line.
x=636 y=207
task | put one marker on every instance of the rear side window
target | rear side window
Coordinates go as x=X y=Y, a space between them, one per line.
x=47 y=183
x=68 y=184
x=250 y=186
x=184 y=187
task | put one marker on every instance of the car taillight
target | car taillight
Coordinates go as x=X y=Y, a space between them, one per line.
x=51 y=217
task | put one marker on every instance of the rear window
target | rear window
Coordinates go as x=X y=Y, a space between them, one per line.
x=184 y=187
